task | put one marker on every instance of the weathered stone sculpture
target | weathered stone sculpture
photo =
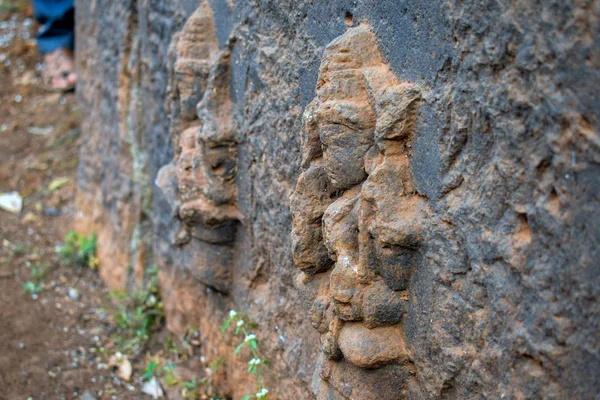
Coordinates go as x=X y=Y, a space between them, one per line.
x=193 y=50
x=358 y=220
x=200 y=182
x=447 y=213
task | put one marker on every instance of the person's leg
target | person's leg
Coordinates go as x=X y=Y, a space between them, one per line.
x=57 y=18
x=56 y=39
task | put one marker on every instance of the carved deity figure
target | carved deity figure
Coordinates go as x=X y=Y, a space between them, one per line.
x=200 y=181
x=358 y=222
x=205 y=166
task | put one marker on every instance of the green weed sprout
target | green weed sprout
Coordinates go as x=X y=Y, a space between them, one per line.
x=32 y=288
x=38 y=273
x=250 y=341
x=168 y=371
x=191 y=388
x=17 y=250
x=149 y=371
x=79 y=250
x=137 y=315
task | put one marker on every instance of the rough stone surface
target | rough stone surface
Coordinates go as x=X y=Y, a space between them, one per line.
x=404 y=195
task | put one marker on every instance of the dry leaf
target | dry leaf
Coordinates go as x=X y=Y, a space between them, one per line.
x=29 y=218
x=58 y=183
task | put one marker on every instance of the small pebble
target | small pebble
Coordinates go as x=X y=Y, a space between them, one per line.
x=18 y=98
x=87 y=396
x=73 y=294
x=51 y=212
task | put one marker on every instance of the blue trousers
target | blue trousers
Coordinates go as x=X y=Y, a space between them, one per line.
x=57 y=20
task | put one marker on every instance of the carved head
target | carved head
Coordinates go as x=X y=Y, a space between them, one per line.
x=193 y=50
x=210 y=161
x=356 y=214
x=200 y=181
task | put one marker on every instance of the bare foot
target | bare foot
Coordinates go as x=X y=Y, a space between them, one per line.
x=59 y=73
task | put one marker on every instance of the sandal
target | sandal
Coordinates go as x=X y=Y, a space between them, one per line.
x=59 y=73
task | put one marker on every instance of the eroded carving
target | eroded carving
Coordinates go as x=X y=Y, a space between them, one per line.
x=200 y=181
x=192 y=50
x=358 y=221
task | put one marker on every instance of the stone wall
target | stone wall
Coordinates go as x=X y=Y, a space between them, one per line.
x=402 y=194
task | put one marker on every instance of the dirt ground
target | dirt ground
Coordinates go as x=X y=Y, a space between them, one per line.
x=55 y=343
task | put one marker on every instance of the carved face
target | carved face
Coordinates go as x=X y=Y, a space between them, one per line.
x=203 y=170
x=214 y=157
x=187 y=184
x=356 y=203
x=374 y=230
x=345 y=122
x=206 y=174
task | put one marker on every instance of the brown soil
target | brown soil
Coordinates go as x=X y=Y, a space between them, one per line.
x=52 y=345
x=45 y=340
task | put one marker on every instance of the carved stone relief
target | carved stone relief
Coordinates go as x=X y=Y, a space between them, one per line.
x=200 y=181
x=436 y=202
x=358 y=222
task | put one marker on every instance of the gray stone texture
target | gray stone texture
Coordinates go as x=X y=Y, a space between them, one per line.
x=505 y=152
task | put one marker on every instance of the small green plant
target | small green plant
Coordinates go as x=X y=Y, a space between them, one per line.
x=32 y=288
x=17 y=250
x=190 y=384
x=138 y=315
x=168 y=374
x=191 y=389
x=79 y=250
x=250 y=341
x=170 y=346
x=38 y=271
x=135 y=326
x=150 y=370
